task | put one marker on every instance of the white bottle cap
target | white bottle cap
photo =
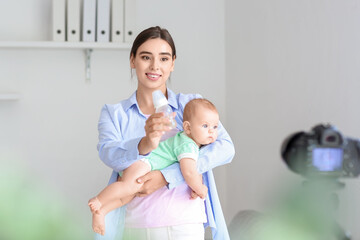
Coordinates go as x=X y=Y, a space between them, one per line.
x=159 y=99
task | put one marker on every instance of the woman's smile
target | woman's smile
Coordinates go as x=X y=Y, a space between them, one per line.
x=153 y=76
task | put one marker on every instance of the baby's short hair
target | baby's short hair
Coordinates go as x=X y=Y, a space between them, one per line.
x=190 y=107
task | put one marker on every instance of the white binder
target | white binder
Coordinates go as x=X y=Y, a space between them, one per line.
x=59 y=14
x=130 y=20
x=117 y=21
x=89 y=21
x=103 y=21
x=73 y=20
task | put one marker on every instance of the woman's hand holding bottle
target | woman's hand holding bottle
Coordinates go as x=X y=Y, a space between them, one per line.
x=156 y=125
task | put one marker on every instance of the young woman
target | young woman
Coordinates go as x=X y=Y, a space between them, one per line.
x=163 y=209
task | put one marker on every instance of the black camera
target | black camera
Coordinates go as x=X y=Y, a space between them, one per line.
x=322 y=153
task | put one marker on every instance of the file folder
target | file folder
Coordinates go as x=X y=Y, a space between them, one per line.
x=89 y=21
x=73 y=20
x=103 y=21
x=130 y=20
x=58 y=16
x=117 y=21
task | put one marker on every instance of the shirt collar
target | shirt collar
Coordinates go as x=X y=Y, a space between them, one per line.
x=172 y=99
x=128 y=103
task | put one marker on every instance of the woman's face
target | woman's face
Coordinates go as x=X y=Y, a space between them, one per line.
x=153 y=64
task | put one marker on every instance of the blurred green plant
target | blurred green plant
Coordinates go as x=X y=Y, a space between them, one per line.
x=30 y=210
x=300 y=213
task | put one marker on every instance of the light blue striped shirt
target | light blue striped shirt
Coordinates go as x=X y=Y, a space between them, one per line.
x=118 y=150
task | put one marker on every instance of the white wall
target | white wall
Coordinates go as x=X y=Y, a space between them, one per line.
x=290 y=65
x=52 y=129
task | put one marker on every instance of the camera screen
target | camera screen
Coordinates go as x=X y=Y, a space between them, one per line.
x=327 y=159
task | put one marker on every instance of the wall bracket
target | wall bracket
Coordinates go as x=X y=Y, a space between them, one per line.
x=88 y=53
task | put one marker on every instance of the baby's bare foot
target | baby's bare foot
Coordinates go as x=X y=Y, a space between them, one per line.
x=98 y=223
x=94 y=204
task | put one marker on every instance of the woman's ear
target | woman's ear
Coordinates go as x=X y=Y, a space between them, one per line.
x=186 y=126
x=173 y=64
x=132 y=61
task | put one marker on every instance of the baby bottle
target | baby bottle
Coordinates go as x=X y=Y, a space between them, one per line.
x=161 y=104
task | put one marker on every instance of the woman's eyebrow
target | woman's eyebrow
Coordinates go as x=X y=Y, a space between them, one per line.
x=145 y=52
x=162 y=53
x=165 y=53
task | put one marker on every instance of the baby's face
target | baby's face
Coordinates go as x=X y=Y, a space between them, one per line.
x=203 y=126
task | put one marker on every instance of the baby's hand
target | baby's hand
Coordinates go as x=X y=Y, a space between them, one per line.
x=193 y=195
x=201 y=194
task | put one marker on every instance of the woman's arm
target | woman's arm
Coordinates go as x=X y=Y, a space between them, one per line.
x=118 y=151
x=115 y=151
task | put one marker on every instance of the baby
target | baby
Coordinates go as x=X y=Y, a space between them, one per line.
x=200 y=122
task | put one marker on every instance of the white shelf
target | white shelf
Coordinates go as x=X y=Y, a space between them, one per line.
x=9 y=96
x=65 y=45
x=88 y=47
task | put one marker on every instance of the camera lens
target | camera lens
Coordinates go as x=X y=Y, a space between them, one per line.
x=331 y=138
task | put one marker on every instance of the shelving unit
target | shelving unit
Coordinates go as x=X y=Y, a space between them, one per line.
x=65 y=17
x=88 y=47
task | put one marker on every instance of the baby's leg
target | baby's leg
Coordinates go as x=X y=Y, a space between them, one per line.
x=98 y=217
x=127 y=186
x=94 y=204
x=98 y=222
x=117 y=194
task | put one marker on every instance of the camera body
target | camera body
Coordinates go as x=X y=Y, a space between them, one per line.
x=322 y=153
